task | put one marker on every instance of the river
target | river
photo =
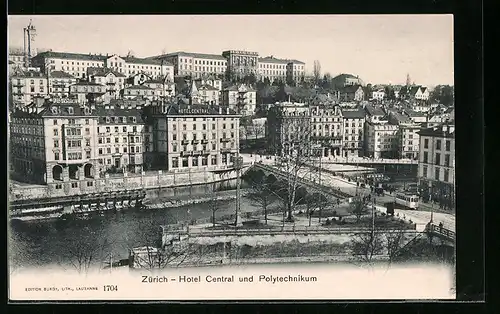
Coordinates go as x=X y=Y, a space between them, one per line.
x=58 y=243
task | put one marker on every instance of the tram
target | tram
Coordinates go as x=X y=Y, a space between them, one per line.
x=407 y=200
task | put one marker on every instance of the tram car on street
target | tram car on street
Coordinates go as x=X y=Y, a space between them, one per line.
x=408 y=201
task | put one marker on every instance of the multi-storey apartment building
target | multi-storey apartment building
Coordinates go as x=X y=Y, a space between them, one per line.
x=352 y=93
x=242 y=99
x=354 y=125
x=122 y=138
x=59 y=83
x=210 y=80
x=326 y=129
x=295 y=71
x=27 y=85
x=381 y=139
x=157 y=69
x=112 y=79
x=161 y=87
x=436 y=167
x=408 y=142
x=87 y=92
x=53 y=143
x=194 y=136
x=241 y=63
x=289 y=129
x=273 y=69
x=195 y=65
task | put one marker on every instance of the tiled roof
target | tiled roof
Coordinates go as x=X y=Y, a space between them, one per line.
x=351 y=88
x=138 y=87
x=95 y=71
x=88 y=83
x=117 y=111
x=144 y=61
x=193 y=55
x=27 y=74
x=67 y=109
x=439 y=131
x=273 y=60
x=374 y=111
x=69 y=55
x=60 y=74
x=353 y=114
x=182 y=109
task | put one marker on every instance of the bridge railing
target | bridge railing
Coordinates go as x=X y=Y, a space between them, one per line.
x=442 y=231
x=286 y=230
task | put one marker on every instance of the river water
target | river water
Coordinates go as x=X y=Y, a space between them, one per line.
x=59 y=243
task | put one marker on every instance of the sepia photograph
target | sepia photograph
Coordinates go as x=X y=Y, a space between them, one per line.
x=192 y=157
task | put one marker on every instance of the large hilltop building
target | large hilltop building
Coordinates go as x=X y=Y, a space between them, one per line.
x=194 y=64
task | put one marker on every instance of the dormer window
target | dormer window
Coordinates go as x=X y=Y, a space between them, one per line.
x=123 y=119
x=54 y=110
x=70 y=110
x=107 y=119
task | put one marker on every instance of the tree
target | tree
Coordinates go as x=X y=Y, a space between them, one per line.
x=316 y=71
x=294 y=150
x=262 y=194
x=130 y=54
x=359 y=207
x=213 y=205
x=87 y=252
x=443 y=94
x=395 y=242
x=366 y=245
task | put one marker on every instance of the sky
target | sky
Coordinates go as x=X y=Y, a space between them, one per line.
x=380 y=49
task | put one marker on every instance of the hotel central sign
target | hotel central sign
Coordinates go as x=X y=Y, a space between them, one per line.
x=195 y=111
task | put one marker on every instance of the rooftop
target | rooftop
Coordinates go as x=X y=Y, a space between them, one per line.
x=192 y=55
x=144 y=61
x=351 y=88
x=443 y=130
x=138 y=87
x=60 y=74
x=113 y=112
x=70 y=55
x=94 y=71
x=374 y=111
x=198 y=110
x=353 y=113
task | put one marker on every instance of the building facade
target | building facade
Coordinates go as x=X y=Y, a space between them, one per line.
x=76 y=64
x=327 y=129
x=55 y=145
x=194 y=136
x=436 y=167
x=353 y=131
x=195 y=65
x=27 y=85
x=352 y=93
x=242 y=99
x=59 y=83
x=87 y=92
x=112 y=79
x=295 y=71
x=381 y=139
x=273 y=69
x=241 y=63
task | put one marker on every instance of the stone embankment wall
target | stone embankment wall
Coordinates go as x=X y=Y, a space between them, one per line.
x=117 y=183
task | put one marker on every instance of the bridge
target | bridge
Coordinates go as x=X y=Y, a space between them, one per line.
x=303 y=181
x=368 y=161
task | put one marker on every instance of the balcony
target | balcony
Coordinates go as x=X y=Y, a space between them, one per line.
x=74 y=136
x=197 y=153
x=185 y=142
x=184 y=154
x=134 y=133
x=205 y=152
x=226 y=150
x=195 y=142
x=18 y=84
x=111 y=83
x=225 y=140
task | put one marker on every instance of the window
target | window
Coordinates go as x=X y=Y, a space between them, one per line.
x=174 y=137
x=448 y=146
x=185 y=162
x=58 y=186
x=108 y=140
x=184 y=127
x=194 y=126
x=174 y=147
x=436 y=174
x=213 y=126
x=426 y=143
x=74 y=185
x=56 y=132
x=447 y=160
x=56 y=143
x=117 y=139
x=100 y=151
x=175 y=162
x=90 y=183
x=438 y=159
x=424 y=171
x=56 y=156
x=426 y=157
x=174 y=127
x=87 y=142
x=438 y=144
x=194 y=161
x=55 y=121
x=214 y=160
x=100 y=140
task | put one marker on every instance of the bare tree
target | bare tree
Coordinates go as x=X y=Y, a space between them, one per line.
x=395 y=242
x=213 y=205
x=359 y=207
x=366 y=245
x=316 y=71
x=261 y=194
x=87 y=252
x=130 y=54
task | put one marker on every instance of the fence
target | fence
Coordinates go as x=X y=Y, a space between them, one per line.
x=442 y=231
x=284 y=230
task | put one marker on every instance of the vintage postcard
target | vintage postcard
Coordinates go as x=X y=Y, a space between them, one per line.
x=197 y=158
